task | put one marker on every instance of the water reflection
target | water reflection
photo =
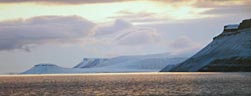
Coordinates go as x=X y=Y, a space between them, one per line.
x=128 y=84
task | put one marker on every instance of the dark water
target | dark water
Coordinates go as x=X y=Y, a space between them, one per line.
x=153 y=84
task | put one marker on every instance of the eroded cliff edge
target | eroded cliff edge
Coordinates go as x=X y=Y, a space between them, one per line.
x=228 y=52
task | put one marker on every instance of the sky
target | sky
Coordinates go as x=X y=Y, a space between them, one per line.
x=63 y=32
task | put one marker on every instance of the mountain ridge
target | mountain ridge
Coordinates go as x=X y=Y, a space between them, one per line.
x=234 y=42
x=137 y=63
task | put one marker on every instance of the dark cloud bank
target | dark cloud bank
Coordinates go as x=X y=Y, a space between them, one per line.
x=18 y=34
x=24 y=33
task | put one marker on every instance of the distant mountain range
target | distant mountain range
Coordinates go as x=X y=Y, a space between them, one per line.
x=140 y=63
x=228 y=52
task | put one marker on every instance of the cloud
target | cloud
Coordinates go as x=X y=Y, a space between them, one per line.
x=138 y=36
x=230 y=10
x=205 y=3
x=183 y=45
x=225 y=7
x=118 y=25
x=60 y=2
x=137 y=17
x=182 y=42
x=213 y=8
x=220 y=3
x=19 y=34
x=179 y=10
x=122 y=32
x=26 y=33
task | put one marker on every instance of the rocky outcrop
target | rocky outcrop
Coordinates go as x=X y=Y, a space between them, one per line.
x=231 y=28
x=230 y=51
x=228 y=30
x=245 y=24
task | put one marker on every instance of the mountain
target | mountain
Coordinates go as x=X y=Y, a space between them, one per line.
x=229 y=51
x=140 y=63
x=154 y=61
x=90 y=62
x=46 y=69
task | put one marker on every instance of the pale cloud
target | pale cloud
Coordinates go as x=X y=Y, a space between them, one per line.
x=204 y=3
x=122 y=32
x=229 y=10
x=118 y=25
x=183 y=45
x=60 y=2
x=182 y=42
x=139 y=36
x=137 y=17
x=19 y=34
x=220 y=3
x=202 y=9
x=66 y=30
x=224 y=8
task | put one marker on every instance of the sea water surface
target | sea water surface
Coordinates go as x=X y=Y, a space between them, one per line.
x=131 y=84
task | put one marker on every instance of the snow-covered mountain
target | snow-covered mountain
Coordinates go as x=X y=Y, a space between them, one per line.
x=140 y=63
x=153 y=61
x=46 y=69
x=229 y=51
x=90 y=62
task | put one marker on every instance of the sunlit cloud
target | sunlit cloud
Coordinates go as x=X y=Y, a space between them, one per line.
x=220 y=3
x=124 y=33
x=61 y=2
x=143 y=11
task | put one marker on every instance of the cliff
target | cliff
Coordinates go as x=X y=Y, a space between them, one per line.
x=230 y=51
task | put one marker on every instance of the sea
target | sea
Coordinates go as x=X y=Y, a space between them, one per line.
x=128 y=84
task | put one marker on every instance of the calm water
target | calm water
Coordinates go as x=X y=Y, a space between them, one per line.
x=154 y=84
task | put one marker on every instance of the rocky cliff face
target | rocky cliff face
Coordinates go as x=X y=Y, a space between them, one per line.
x=229 y=51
